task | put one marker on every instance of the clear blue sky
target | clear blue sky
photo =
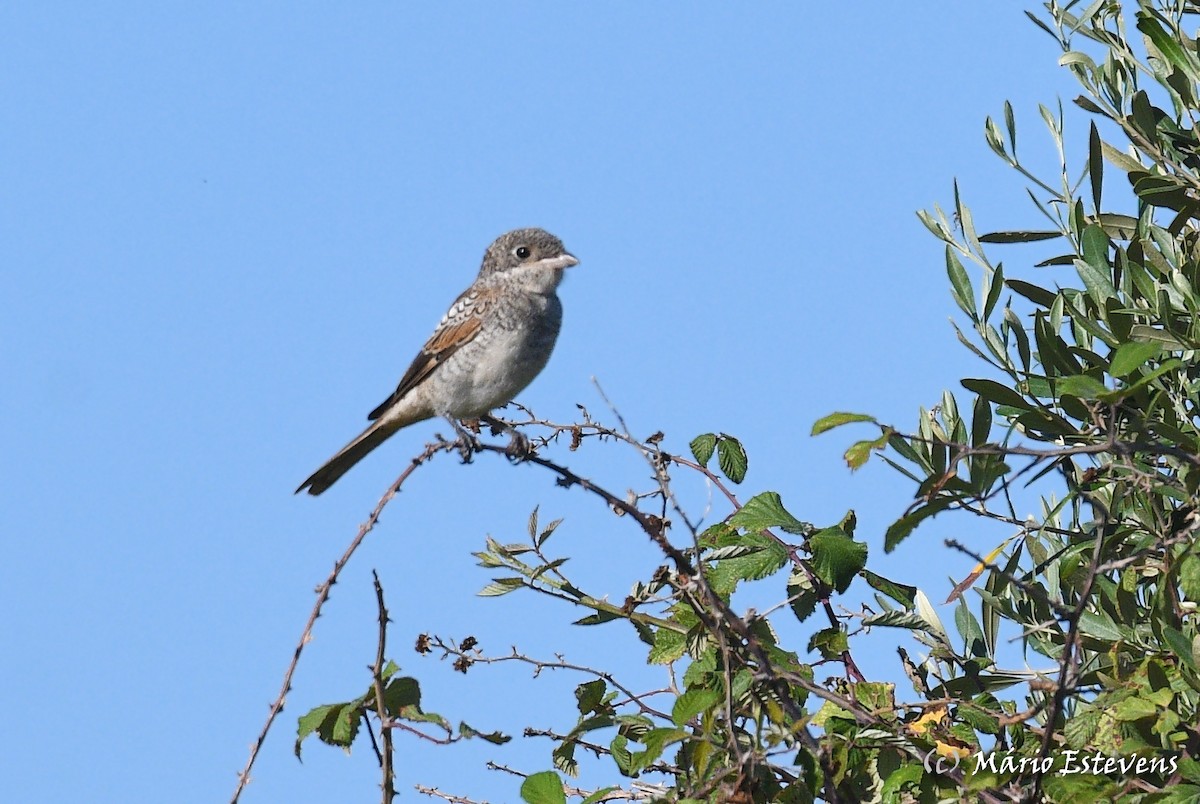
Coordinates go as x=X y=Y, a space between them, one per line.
x=226 y=229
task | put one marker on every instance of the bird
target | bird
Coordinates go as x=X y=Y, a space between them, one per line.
x=494 y=340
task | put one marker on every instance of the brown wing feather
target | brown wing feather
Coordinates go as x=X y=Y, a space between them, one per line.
x=445 y=342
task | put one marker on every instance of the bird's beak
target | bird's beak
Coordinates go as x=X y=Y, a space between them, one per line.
x=564 y=260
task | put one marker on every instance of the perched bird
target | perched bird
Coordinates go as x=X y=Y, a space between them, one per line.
x=490 y=344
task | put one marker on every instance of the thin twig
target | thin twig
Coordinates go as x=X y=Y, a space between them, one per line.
x=387 y=754
x=323 y=592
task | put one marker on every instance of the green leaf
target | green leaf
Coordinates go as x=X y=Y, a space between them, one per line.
x=669 y=645
x=1131 y=356
x=995 y=392
x=1182 y=647
x=1094 y=269
x=703 y=446
x=501 y=586
x=1167 y=44
x=1035 y=293
x=994 y=288
x=833 y=420
x=981 y=422
x=589 y=696
x=802 y=597
x=1189 y=577
x=335 y=724
x=907 y=775
x=969 y=628
x=830 y=642
x=860 y=451
x=1095 y=165
x=899 y=530
x=732 y=458
x=766 y=559
x=543 y=788
x=1134 y=709
x=493 y=737
x=960 y=284
x=401 y=693
x=1101 y=627
x=598 y=618
x=1144 y=332
x=836 y=557
x=1019 y=237
x=599 y=795
x=764 y=511
x=901 y=593
x=1082 y=386
x=897 y=619
x=692 y=703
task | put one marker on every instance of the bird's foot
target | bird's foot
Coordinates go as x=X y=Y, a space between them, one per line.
x=518 y=448
x=467 y=443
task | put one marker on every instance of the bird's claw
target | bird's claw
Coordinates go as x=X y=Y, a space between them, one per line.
x=467 y=443
x=519 y=447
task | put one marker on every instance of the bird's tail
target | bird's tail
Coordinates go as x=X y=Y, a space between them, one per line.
x=349 y=455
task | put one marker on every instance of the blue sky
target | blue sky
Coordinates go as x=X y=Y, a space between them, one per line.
x=226 y=230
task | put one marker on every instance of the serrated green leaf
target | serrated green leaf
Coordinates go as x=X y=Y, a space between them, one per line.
x=334 y=724
x=501 y=586
x=903 y=594
x=692 y=703
x=897 y=619
x=860 y=451
x=829 y=642
x=899 y=530
x=589 y=695
x=767 y=559
x=668 y=646
x=827 y=423
x=802 y=596
x=702 y=447
x=543 y=788
x=908 y=775
x=765 y=511
x=309 y=722
x=731 y=457
x=399 y=694
x=836 y=557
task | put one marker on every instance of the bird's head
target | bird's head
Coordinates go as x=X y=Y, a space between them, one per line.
x=533 y=257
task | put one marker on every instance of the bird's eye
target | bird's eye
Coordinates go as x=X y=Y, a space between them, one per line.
x=522 y=252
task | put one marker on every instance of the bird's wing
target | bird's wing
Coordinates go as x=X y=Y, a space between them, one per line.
x=458 y=327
